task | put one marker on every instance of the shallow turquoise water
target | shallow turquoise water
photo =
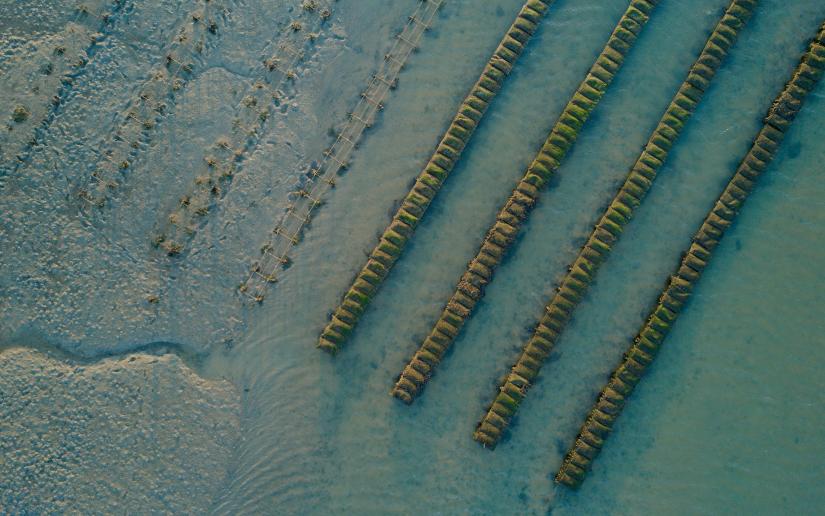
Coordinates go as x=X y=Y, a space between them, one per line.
x=726 y=420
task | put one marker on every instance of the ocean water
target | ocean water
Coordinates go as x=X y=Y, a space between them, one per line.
x=724 y=423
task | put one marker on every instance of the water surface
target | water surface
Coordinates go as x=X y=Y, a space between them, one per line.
x=725 y=421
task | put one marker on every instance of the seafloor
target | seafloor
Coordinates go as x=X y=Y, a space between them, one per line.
x=136 y=382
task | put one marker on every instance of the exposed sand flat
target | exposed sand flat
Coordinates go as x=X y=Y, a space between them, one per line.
x=727 y=421
x=120 y=432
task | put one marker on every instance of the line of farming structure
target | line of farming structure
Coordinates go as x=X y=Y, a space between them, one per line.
x=226 y=155
x=582 y=272
x=447 y=153
x=647 y=343
x=153 y=103
x=519 y=205
x=311 y=188
x=54 y=68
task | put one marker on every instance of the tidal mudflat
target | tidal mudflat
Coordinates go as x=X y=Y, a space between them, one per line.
x=190 y=190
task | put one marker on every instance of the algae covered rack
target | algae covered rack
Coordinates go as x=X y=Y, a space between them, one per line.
x=608 y=230
x=502 y=235
x=645 y=347
x=414 y=206
x=597 y=247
